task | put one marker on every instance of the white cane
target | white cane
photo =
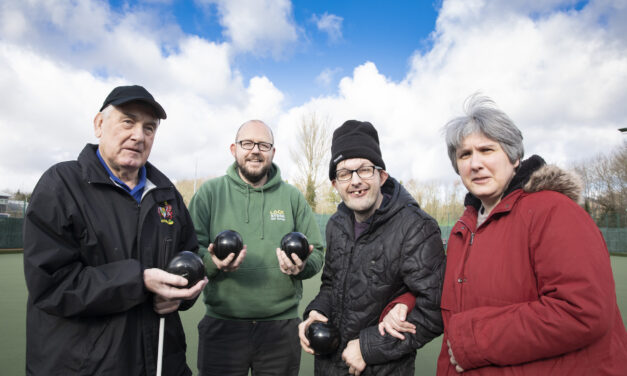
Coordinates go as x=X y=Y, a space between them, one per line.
x=160 y=348
x=190 y=266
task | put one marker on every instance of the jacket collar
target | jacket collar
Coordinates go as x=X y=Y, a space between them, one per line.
x=398 y=199
x=553 y=178
x=93 y=171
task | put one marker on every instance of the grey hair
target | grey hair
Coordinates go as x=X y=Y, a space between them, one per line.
x=107 y=111
x=482 y=116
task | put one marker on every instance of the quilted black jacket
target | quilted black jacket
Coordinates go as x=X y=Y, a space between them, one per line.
x=400 y=251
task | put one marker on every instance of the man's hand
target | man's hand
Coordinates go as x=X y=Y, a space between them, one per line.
x=452 y=358
x=230 y=263
x=163 y=306
x=168 y=289
x=394 y=322
x=302 y=329
x=293 y=266
x=353 y=358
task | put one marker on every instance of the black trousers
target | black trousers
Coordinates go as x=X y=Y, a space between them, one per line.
x=231 y=348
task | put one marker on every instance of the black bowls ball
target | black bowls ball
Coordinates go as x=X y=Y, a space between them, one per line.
x=228 y=241
x=295 y=242
x=324 y=338
x=189 y=265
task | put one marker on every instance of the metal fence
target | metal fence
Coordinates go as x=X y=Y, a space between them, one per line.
x=11 y=233
x=615 y=238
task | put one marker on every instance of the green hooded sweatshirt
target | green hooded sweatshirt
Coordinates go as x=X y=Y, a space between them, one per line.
x=258 y=290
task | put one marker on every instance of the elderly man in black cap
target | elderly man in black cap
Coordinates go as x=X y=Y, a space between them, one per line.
x=380 y=245
x=97 y=234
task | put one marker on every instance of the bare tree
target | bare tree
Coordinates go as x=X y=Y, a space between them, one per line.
x=328 y=199
x=605 y=186
x=311 y=156
x=444 y=202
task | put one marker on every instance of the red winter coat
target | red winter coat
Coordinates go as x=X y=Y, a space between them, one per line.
x=531 y=292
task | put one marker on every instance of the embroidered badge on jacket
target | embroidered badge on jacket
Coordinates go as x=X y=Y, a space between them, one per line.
x=277 y=215
x=166 y=213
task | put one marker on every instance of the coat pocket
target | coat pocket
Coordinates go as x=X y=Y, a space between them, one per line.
x=95 y=344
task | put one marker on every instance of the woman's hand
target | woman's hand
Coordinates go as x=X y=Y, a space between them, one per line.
x=453 y=361
x=394 y=322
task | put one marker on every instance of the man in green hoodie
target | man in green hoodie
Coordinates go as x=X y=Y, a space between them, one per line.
x=251 y=322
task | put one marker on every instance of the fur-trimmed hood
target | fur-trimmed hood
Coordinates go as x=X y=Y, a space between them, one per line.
x=534 y=175
x=553 y=178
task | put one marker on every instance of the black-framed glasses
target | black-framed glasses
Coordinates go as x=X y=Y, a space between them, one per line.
x=364 y=172
x=250 y=145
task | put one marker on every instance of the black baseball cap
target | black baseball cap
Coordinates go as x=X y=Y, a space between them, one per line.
x=125 y=94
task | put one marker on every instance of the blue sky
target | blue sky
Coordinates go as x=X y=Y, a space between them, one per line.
x=388 y=33
x=557 y=67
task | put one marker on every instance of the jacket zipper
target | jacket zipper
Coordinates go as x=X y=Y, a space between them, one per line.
x=462 y=276
x=350 y=262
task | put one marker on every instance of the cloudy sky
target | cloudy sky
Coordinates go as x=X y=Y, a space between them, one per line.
x=557 y=67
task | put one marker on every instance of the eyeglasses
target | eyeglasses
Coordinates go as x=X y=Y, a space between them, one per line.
x=250 y=145
x=364 y=172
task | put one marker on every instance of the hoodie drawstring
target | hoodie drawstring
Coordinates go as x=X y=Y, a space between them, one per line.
x=263 y=204
x=247 y=217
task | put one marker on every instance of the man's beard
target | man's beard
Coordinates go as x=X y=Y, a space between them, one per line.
x=253 y=177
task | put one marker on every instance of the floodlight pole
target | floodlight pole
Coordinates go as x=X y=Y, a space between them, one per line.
x=195 y=174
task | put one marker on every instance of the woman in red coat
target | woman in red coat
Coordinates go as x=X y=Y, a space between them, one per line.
x=528 y=288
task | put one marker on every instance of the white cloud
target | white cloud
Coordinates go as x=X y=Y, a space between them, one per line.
x=329 y=24
x=562 y=77
x=43 y=114
x=559 y=76
x=52 y=83
x=258 y=26
x=327 y=76
x=13 y=23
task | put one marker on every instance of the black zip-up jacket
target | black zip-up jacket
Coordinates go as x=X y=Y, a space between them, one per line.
x=86 y=245
x=400 y=251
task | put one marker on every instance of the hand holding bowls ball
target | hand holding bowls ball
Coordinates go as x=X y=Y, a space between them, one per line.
x=324 y=338
x=295 y=242
x=188 y=265
x=227 y=242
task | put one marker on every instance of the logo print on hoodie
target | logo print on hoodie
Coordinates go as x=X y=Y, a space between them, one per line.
x=166 y=213
x=277 y=215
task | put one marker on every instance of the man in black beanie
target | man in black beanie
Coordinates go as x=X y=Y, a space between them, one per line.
x=380 y=245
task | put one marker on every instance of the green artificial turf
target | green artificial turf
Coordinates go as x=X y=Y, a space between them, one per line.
x=13 y=323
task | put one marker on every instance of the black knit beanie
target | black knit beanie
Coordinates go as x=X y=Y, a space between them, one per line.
x=355 y=139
